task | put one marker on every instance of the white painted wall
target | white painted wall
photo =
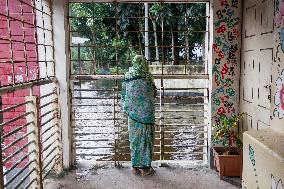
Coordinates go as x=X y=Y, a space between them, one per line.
x=62 y=75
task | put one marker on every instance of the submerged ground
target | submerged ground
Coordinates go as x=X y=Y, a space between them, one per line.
x=106 y=176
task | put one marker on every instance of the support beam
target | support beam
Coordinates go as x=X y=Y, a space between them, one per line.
x=59 y=19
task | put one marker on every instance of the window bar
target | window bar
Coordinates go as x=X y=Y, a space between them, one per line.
x=33 y=6
x=79 y=59
x=24 y=178
x=44 y=39
x=52 y=37
x=51 y=135
x=30 y=183
x=18 y=173
x=207 y=37
x=34 y=10
x=49 y=94
x=16 y=130
x=51 y=102
x=10 y=39
x=19 y=161
x=17 y=140
x=56 y=161
x=48 y=146
x=25 y=85
x=15 y=119
x=24 y=40
x=49 y=112
x=47 y=129
x=18 y=151
x=186 y=40
x=116 y=139
x=162 y=93
x=44 y=123
x=14 y=106
x=94 y=46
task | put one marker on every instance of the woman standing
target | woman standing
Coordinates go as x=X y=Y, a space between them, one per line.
x=138 y=91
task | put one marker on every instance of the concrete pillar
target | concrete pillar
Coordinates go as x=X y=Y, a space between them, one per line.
x=59 y=19
x=224 y=58
x=34 y=147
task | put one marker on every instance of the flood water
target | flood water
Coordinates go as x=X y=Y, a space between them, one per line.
x=100 y=126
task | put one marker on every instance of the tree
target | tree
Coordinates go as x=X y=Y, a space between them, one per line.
x=179 y=18
x=115 y=31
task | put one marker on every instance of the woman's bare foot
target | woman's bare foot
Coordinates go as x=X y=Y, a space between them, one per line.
x=135 y=171
x=148 y=171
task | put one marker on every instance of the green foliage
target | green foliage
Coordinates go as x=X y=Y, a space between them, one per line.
x=116 y=31
x=224 y=131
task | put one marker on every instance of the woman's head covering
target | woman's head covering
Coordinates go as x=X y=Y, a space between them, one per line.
x=140 y=64
x=140 y=68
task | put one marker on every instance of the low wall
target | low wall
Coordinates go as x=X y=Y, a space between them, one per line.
x=263 y=164
x=177 y=70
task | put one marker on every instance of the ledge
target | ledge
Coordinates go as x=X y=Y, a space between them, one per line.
x=270 y=140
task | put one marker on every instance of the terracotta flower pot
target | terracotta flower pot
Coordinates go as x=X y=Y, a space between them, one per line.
x=228 y=165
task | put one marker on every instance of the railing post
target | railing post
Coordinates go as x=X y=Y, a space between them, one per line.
x=161 y=123
x=206 y=123
x=1 y=162
x=58 y=168
x=1 y=156
x=34 y=139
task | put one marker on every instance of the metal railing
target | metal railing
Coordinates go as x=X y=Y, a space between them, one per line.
x=99 y=60
x=100 y=126
x=30 y=141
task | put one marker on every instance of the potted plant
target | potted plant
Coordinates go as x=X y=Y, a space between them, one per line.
x=228 y=159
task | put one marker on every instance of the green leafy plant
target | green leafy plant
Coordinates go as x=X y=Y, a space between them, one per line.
x=225 y=132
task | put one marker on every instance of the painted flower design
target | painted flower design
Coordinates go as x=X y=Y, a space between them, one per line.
x=279 y=97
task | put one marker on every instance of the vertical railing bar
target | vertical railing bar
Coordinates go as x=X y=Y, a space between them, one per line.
x=115 y=139
x=94 y=46
x=162 y=93
x=119 y=126
x=207 y=46
x=207 y=128
x=116 y=63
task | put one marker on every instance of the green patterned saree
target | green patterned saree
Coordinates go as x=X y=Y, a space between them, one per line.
x=138 y=102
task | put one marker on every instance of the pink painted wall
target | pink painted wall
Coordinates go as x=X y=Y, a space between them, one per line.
x=22 y=50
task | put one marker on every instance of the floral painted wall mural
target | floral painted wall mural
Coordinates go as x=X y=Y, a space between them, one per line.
x=279 y=97
x=277 y=109
x=226 y=58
